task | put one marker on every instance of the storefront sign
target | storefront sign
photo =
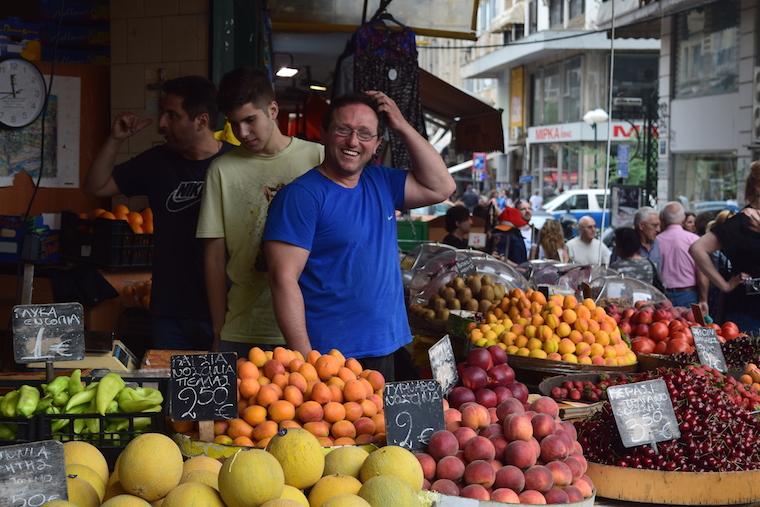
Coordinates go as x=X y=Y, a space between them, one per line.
x=708 y=348
x=48 y=333
x=579 y=131
x=32 y=474
x=643 y=412
x=413 y=412
x=203 y=387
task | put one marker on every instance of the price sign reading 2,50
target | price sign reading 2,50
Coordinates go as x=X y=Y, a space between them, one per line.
x=203 y=387
x=204 y=397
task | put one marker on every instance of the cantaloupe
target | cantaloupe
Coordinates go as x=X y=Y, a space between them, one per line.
x=83 y=453
x=386 y=490
x=250 y=478
x=300 y=455
x=291 y=493
x=201 y=463
x=281 y=502
x=333 y=485
x=125 y=501
x=346 y=501
x=346 y=460
x=81 y=493
x=206 y=477
x=89 y=475
x=150 y=466
x=192 y=494
x=393 y=460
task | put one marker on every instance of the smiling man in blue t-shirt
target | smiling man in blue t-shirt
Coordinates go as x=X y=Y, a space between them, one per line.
x=330 y=237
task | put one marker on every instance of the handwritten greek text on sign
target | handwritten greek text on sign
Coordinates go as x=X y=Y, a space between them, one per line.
x=413 y=412
x=32 y=474
x=464 y=265
x=443 y=364
x=48 y=332
x=643 y=412
x=204 y=387
x=708 y=348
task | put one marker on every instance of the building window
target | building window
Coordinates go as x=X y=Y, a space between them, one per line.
x=557 y=93
x=635 y=77
x=707 y=50
x=704 y=177
x=576 y=8
x=551 y=93
x=532 y=16
x=556 y=11
x=571 y=90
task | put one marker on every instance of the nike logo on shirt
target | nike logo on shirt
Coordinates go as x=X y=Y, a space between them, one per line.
x=184 y=196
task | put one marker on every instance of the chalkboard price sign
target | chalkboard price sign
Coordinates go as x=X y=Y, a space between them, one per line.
x=443 y=364
x=464 y=265
x=643 y=412
x=48 y=333
x=413 y=412
x=708 y=348
x=203 y=387
x=32 y=474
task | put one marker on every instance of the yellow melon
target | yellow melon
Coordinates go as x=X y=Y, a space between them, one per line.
x=114 y=489
x=206 y=477
x=150 y=466
x=332 y=485
x=300 y=455
x=250 y=478
x=386 y=490
x=346 y=501
x=81 y=493
x=346 y=460
x=192 y=494
x=201 y=463
x=83 y=453
x=393 y=460
x=157 y=503
x=125 y=501
x=281 y=502
x=291 y=493
x=89 y=475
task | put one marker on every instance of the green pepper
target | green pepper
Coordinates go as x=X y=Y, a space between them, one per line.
x=141 y=423
x=60 y=399
x=52 y=410
x=79 y=425
x=108 y=390
x=93 y=425
x=59 y=384
x=132 y=400
x=28 y=399
x=85 y=397
x=91 y=386
x=113 y=407
x=58 y=424
x=7 y=432
x=75 y=382
x=44 y=404
x=8 y=407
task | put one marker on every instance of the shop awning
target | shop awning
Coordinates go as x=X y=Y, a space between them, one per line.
x=477 y=126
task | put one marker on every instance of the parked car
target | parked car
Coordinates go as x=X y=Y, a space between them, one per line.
x=579 y=203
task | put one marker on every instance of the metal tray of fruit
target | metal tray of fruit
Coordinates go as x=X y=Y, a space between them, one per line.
x=675 y=488
x=532 y=371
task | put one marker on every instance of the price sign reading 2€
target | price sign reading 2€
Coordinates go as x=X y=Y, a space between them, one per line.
x=203 y=387
x=413 y=412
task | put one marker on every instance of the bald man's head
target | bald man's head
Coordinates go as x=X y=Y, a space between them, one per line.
x=587 y=228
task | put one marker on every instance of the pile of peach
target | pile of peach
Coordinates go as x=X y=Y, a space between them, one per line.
x=326 y=394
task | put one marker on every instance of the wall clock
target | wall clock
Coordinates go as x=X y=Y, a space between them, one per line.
x=22 y=92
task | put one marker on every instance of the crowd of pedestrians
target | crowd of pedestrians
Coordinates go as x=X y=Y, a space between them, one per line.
x=705 y=259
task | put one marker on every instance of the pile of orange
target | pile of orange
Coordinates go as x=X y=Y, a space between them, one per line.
x=328 y=395
x=141 y=222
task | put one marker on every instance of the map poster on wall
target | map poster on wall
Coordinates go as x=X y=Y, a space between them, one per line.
x=20 y=148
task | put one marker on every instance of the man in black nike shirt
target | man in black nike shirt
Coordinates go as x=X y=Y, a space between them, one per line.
x=172 y=176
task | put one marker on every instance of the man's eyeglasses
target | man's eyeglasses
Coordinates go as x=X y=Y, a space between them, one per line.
x=362 y=134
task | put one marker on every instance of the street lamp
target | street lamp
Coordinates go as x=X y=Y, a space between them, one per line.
x=593 y=118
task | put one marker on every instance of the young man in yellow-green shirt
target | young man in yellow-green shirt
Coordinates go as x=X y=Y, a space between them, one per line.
x=239 y=187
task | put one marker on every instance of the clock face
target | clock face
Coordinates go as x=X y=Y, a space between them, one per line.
x=22 y=92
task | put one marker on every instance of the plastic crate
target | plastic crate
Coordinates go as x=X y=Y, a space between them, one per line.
x=25 y=430
x=105 y=243
x=109 y=443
